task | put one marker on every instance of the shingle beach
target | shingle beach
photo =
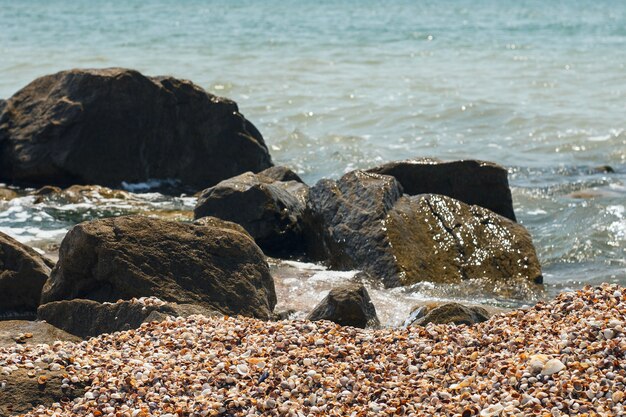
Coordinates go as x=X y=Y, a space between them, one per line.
x=564 y=357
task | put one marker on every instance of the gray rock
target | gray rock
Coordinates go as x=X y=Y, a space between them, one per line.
x=105 y=126
x=349 y=305
x=134 y=256
x=473 y=182
x=271 y=211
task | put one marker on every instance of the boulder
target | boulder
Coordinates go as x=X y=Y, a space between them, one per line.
x=87 y=318
x=23 y=273
x=473 y=182
x=271 y=211
x=344 y=223
x=106 y=126
x=448 y=313
x=133 y=256
x=22 y=332
x=348 y=305
x=363 y=222
x=23 y=392
x=78 y=194
x=281 y=173
x=439 y=239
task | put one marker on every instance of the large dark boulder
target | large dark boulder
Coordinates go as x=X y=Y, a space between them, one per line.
x=134 y=256
x=362 y=221
x=105 y=126
x=22 y=332
x=349 y=305
x=473 y=182
x=344 y=223
x=271 y=211
x=87 y=318
x=23 y=273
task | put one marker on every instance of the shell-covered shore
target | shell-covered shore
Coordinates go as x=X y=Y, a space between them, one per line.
x=563 y=357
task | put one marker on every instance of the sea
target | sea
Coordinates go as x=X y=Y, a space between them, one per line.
x=536 y=86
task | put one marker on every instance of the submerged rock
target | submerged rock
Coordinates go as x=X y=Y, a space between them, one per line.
x=271 y=211
x=87 y=318
x=448 y=313
x=27 y=333
x=349 y=305
x=106 y=126
x=23 y=273
x=78 y=194
x=473 y=182
x=362 y=221
x=134 y=256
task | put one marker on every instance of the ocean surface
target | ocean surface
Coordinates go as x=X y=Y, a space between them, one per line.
x=539 y=87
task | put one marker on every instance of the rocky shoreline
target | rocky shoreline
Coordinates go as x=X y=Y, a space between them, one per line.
x=564 y=357
x=195 y=288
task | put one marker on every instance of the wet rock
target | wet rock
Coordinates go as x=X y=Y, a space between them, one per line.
x=22 y=332
x=438 y=239
x=7 y=194
x=106 y=126
x=349 y=305
x=603 y=169
x=478 y=183
x=283 y=315
x=134 y=256
x=448 y=313
x=214 y=222
x=78 y=194
x=22 y=392
x=345 y=223
x=281 y=173
x=363 y=222
x=271 y=211
x=87 y=318
x=23 y=273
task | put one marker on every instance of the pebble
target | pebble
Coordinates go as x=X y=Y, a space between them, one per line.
x=515 y=364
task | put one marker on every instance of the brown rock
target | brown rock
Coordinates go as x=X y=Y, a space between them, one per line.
x=22 y=332
x=133 y=256
x=473 y=182
x=106 y=126
x=349 y=305
x=22 y=392
x=23 y=273
x=281 y=173
x=87 y=318
x=438 y=239
x=448 y=313
x=7 y=194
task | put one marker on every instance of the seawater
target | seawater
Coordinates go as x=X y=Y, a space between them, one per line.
x=539 y=87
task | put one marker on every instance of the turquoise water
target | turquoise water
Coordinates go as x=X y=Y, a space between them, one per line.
x=539 y=87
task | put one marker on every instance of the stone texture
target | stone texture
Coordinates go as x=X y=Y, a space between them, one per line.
x=134 y=256
x=438 y=239
x=271 y=211
x=344 y=221
x=7 y=194
x=349 y=305
x=26 y=333
x=281 y=173
x=23 y=273
x=105 y=126
x=449 y=313
x=478 y=183
x=22 y=392
x=87 y=318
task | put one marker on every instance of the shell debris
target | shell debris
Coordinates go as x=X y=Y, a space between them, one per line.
x=554 y=359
